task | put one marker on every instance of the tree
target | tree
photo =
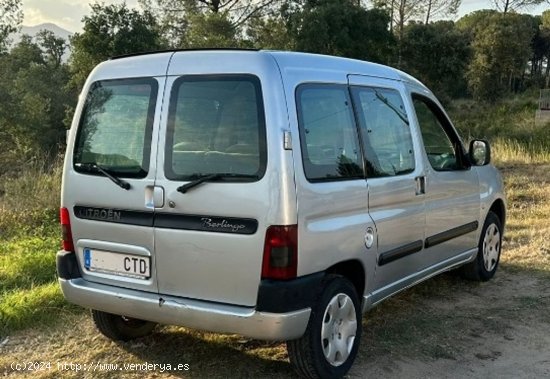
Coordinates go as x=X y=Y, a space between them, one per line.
x=111 y=30
x=440 y=8
x=210 y=30
x=269 y=33
x=475 y=21
x=401 y=11
x=544 y=30
x=341 y=27
x=35 y=99
x=176 y=17
x=54 y=47
x=501 y=50
x=11 y=15
x=444 y=75
x=506 y=6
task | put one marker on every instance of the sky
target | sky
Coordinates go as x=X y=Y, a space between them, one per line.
x=68 y=13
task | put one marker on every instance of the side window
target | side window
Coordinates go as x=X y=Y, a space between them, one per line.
x=116 y=126
x=385 y=129
x=443 y=154
x=330 y=147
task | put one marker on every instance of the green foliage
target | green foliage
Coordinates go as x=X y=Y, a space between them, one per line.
x=11 y=16
x=222 y=23
x=171 y=17
x=34 y=100
x=211 y=30
x=445 y=75
x=476 y=20
x=269 y=33
x=111 y=30
x=501 y=49
x=342 y=28
x=53 y=47
x=512 y=120
x=542 y=48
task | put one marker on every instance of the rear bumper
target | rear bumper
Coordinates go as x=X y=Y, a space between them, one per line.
x=195 y=314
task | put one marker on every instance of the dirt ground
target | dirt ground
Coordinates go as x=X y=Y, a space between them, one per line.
x=505 y=334
x=443 y=328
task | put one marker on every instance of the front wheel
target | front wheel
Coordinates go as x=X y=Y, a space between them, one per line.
x=485 y=265
x=121 y=328
x=330 y=343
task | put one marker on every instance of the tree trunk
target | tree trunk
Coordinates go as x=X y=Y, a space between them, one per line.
x=547 y=73
x=215 y=6
x=400 y=30
x=428 y=11
x=391 y=16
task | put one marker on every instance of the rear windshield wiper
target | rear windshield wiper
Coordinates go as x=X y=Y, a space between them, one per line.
x=200 y=178
x=94 y=167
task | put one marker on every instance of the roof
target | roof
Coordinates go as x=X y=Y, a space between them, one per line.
x=287 y=60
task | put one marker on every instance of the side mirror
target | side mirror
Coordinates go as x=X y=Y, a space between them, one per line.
x=480 y=152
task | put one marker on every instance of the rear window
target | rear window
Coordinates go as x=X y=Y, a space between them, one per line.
x=216 y=126
x=116 y=126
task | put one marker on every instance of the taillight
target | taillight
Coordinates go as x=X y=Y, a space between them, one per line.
x=66 y=229
x=280 y=252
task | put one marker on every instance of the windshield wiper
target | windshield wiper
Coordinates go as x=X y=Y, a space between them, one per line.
x=200 y=178
x=398 y=112
x=94 y=167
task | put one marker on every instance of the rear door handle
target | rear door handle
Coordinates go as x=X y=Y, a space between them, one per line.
x=420 y=185
x=154 y=197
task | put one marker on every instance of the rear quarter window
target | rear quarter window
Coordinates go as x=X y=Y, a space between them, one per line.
x=328 y=135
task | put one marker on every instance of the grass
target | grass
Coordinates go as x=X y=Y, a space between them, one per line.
x=526 y=173
x=439 y=319
x=29 y=239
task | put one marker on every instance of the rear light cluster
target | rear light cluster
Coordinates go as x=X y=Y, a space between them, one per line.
x=66 y=229
x=280 y=259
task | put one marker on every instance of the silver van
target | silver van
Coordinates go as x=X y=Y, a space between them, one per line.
x=275 y=195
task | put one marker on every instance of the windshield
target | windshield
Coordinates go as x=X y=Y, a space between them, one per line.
x=216 y=125
x=116 y=126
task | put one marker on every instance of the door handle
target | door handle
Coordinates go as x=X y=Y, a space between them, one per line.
x=420 y=185
x=154 y=197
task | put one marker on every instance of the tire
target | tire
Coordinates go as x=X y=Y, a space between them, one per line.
x=485 y=265
x=120 y=328
x=317 y=354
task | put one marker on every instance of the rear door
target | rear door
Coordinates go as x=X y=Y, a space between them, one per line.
x=112 y=226
x=209 y=235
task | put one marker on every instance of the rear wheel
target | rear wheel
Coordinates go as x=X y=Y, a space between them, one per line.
x=485 y=265
x=121 y=328
x=330 y=343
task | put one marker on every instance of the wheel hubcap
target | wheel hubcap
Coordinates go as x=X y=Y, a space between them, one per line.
x=339 y=329
x=491 y=247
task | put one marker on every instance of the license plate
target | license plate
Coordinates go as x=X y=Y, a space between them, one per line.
x=128 y=265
